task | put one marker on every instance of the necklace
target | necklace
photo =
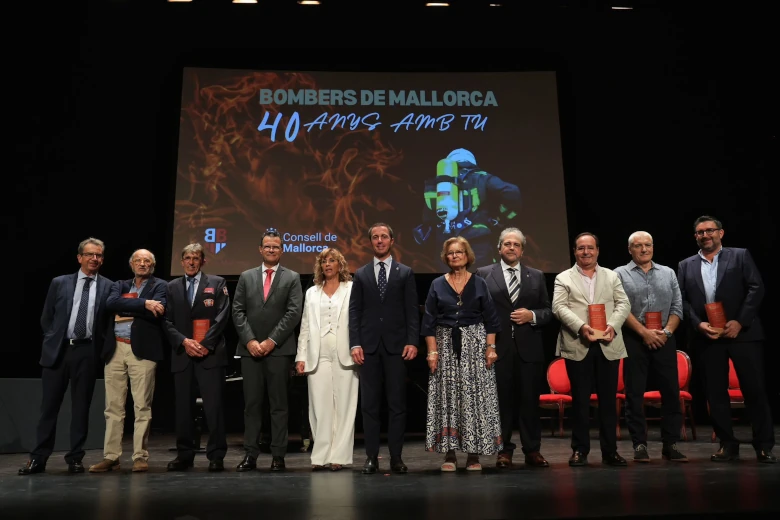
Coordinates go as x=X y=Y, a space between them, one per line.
x=455 y=287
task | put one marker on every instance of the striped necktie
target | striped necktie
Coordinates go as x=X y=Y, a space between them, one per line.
x=514 y=285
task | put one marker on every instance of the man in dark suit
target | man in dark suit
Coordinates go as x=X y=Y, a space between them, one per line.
x=198 y=308
x=74 y=323
x=728 y=275
x=131 y=353
x=384 y=330
x=266 y=309
x=520 y=295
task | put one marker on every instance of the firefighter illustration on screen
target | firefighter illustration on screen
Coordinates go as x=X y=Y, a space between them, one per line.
x=464 y=200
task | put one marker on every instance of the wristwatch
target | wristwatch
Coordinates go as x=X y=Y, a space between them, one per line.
x=668 y=333
x=491 y=345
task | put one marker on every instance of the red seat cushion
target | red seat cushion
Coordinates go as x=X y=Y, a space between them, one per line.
x=554 y=398
x=655 y=395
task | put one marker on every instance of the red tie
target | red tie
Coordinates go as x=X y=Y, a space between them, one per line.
x=267 y=285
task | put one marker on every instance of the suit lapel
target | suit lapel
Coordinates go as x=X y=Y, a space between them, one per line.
x=338 y=299
x=71 y=288
x=696 y=266
x=315 y=304
x=601 y=283
x=723 y=263
x=497 y=273
x=204 y=282
x=274 y=283
x=102 y=286
x=576 y=280
x=147 y=289
x=372 y=278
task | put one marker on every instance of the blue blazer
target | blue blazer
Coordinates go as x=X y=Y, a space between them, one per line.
x=147 y=331
x=56 y=315
x=739 y=288
x=395 y=322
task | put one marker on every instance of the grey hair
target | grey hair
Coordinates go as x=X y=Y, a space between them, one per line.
x=93 y=241
x=508 y=231
x=194 y=248
x=635 y=234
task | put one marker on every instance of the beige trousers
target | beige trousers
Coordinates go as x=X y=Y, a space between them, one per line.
x=123 y=365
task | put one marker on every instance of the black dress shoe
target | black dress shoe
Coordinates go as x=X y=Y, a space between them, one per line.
x=371 y=466
x=504 y=459
x=613 y=459
x=766 y=456
x=76 y=467
x=33 y=466
x=578 y=459
x=248 y=464
x=277 y=464
x=178 y=464
x=216 y=465
x=725 y=454
x=397 y=465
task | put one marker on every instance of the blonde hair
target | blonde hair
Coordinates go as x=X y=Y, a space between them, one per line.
x=344 y=275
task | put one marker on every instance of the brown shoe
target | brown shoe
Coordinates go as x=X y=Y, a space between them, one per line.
x=104 y=465
x=536 y=460
x=140 y=465
x=504 y=459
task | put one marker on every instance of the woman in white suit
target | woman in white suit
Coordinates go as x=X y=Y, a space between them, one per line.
x=323 y=354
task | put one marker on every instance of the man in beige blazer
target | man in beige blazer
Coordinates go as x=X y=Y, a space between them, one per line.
x=588 y=358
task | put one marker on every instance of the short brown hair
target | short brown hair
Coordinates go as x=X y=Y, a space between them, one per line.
x=470 y=257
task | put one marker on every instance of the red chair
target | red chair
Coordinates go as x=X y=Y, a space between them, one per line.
x=620 y=396
x=559 y=397
x=735 y=394
x=684 y=370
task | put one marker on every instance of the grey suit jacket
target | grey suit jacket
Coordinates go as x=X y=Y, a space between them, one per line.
x=276 y=318
x=570 y=306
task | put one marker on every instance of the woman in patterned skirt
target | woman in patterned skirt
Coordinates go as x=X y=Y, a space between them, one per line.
x=460 y=326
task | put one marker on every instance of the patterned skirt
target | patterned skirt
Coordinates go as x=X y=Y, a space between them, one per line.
x=462 y=397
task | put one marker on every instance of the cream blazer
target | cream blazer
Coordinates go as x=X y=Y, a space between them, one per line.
x=570 y=306
x=309 y=338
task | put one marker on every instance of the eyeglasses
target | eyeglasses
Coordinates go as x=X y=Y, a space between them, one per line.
x=456 y=253
x=92 y=255
x=516 y=245
x=271 y=248
x=142 y=261
x=708 y=232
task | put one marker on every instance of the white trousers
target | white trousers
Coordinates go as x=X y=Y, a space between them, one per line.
x=333 y=396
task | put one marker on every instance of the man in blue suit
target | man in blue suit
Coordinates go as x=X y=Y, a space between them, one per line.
x=131 y=353
x=384 y=331
x=729 y=276
x=74 y=323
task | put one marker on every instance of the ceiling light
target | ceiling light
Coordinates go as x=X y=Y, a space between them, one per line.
x=309 y=2
x=244 y=1
x=437 y=4
x=616 y=8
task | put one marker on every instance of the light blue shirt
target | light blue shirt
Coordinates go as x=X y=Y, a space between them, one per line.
x=122 y=329
x=388 y=262
x=709 y=275
x=77 y=303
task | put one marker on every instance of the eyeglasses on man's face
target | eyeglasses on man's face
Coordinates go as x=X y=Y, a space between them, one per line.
x=92 y=255
x=271 y=248
x=709 y=232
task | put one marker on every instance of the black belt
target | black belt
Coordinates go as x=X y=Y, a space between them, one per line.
x=74 y=342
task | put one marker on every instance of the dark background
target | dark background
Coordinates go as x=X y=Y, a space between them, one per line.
x=666 y=114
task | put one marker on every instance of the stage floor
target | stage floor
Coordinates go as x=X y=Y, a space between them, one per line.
x=698 y=488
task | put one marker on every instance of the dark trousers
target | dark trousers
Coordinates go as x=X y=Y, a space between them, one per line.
x=267 y=374
x=582 y=374
x=382 y=367
x=748 y=362
x=519 y=386
x=76 y=365
x=211 y=383
x=663 y=364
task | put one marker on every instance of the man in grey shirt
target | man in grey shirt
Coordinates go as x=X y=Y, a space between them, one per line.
x=651 y=287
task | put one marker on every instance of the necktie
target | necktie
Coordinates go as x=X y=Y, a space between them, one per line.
x=191 y=289
x=267 y=285
x=514 y=286
x=80 y=328
x=382 y=282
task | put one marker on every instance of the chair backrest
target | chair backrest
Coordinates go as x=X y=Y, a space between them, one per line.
x=684 y=369
x=733 y=381
x=558 y=378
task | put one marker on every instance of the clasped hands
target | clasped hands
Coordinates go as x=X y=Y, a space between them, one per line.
x=194 y=349
x=260 y=348
x=155 y=307
x=587 y=332
x=731 y=330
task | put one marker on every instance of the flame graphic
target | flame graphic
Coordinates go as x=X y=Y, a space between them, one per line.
x=336 y=180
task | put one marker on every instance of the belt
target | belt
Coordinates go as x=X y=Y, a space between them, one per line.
x=84 y=341
x=122 y=340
